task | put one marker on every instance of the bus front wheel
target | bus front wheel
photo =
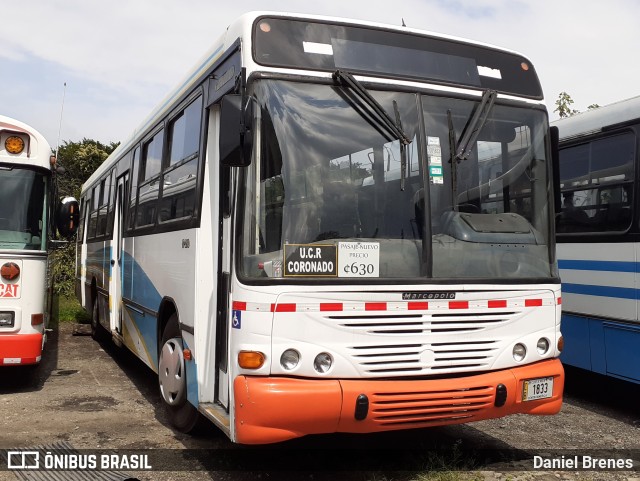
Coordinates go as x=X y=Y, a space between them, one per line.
x=172 y=378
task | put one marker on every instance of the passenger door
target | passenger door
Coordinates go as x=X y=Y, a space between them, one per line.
x=117 y=259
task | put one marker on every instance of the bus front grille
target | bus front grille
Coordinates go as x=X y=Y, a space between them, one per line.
x=426 y=407
x=417 y=359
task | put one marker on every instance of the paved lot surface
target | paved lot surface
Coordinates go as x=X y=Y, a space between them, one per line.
x=96 y=396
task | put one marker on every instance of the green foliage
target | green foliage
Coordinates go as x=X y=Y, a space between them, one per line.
x=80 y=160
x=563 y=105
x=70 y=310
x=63 y=270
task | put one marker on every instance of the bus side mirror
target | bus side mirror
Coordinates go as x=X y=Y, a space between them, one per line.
x=236 y=136
x=67 y=217
x=554 y=135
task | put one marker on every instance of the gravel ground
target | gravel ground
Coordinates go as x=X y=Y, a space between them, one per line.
x=92 y=396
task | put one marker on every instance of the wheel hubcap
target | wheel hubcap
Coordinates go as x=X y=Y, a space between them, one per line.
x=171 y=372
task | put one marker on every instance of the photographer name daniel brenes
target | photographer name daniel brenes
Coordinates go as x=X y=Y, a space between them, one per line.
x=581 y=462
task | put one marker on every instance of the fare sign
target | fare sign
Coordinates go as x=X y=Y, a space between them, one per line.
x=359 y=259
x=303 y=260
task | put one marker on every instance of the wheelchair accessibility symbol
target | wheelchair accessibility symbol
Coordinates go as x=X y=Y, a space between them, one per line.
x=236 y=319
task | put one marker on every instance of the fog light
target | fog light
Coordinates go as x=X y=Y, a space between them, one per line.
x=322 y=362
x=289 y=359
x=543 y=346
x=519 y=352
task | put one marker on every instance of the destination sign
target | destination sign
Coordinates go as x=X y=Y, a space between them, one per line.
x=303 y=260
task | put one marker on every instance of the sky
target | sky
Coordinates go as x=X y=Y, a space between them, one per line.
x=119 y=58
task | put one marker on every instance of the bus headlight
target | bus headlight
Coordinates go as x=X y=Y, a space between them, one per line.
x=289 y=359
x=322 y=363
x=543 y=346
x=519 y=352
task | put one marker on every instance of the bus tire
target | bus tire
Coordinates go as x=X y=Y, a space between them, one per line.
x=172 y=380
x=98 y=332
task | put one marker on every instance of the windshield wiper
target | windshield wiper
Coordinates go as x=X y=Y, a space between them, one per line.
x=462 y=150
x=477 y=121
x=392 y=130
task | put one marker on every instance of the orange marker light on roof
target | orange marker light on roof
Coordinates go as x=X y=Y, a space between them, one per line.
x=14 y=144
x=265 y=27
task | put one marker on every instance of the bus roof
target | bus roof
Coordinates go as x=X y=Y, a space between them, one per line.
x=38 y=152
x=595 y=120
x=241 y=28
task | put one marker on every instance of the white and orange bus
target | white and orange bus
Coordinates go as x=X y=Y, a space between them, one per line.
x=334 y=226
x=26 y=195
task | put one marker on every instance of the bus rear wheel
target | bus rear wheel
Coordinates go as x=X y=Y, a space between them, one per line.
x=172 y=379
x=98 y=333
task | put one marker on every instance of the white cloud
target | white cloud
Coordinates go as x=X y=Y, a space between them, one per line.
x=120 y=57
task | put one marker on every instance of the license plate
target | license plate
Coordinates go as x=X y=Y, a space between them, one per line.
x=541 y=388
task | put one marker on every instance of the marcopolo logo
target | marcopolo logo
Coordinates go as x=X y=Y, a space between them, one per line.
x=428 y=296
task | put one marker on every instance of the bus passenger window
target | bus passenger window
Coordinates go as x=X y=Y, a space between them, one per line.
x=179 y=178
x=597 y=185
x=134 y=189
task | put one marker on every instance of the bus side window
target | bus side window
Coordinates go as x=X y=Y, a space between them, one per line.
x=103 y=207
x=150 y=188
x=93 y=216
x=134 y=189
x=596 y=180
x=179 y=177
x=83 y=215
x=110 y=202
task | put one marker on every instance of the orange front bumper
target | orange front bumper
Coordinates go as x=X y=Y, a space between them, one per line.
x=20 y=349
x=273 y=409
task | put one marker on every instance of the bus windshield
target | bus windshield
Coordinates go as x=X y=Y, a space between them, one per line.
x=23 y=203
x=329 y=195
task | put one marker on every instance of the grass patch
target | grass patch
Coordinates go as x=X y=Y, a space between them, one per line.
x=68 y=309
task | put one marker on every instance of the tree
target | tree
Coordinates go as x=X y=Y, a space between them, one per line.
x=80 y=160
x=593 y=106
x=563 y=105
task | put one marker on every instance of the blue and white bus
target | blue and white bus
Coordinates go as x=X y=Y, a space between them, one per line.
x=334 y=226
x=598 y=237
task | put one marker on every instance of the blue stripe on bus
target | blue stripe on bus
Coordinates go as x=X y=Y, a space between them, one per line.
x=608 y=266
x=602 y=291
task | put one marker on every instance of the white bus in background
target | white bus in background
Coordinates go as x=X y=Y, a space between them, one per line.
x=598 y=239
x=334 y=226
x=26 y=197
